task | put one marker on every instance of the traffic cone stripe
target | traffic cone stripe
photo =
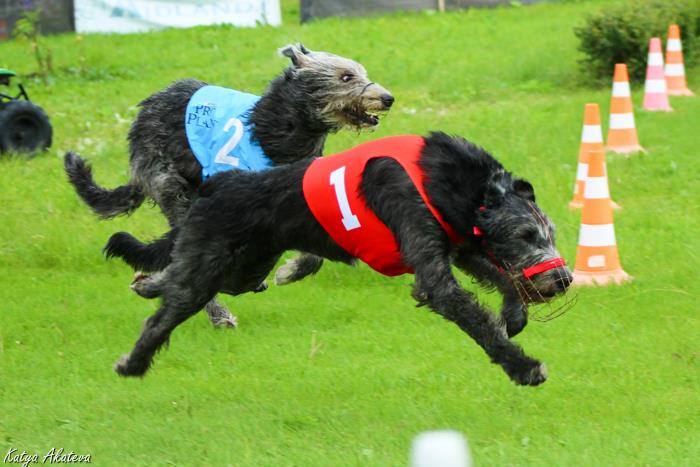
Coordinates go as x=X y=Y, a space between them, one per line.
x=624 y=141
x=674 y=45
x=621 y=105
x=596 y=235
x=600 y=262
x=596 y=188
x=674 y=69
x=621 y=89
x=582 y=171
x=655 y=59
x=592 y=134
x=655 y=86
x=599 y=214
x=655 y=73
x=619 y=121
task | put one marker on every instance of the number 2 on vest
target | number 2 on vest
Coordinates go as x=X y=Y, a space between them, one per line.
x=337 y=179
x=222 y=156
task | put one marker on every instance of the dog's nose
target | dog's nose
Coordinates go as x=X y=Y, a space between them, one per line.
x=563 y=280
x=387 y=100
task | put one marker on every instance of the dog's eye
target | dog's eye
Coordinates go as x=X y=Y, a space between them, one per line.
x=529 y=236
x=346 y=77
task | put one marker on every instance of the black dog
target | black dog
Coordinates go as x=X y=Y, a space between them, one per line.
x=318 y=94
x=242 y=222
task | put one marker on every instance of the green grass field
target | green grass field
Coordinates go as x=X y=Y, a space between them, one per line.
x=624 y=385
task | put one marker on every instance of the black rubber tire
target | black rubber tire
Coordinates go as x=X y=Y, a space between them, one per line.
x=24 y=128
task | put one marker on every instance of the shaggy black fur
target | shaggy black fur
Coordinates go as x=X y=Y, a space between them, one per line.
x=242 y=223
x=318 y=94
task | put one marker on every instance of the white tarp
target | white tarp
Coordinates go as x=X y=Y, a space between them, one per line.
x=125 y=16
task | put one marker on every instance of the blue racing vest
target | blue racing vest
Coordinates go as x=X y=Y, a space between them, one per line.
x=217 y=128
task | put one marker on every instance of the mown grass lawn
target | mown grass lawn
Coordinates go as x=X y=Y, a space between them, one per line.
x=624 y=385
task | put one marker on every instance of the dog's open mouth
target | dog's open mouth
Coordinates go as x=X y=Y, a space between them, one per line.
x=360 y=118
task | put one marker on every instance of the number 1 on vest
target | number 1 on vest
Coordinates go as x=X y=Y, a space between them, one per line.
x=337 y=179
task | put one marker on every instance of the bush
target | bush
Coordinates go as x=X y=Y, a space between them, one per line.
x=621 y=33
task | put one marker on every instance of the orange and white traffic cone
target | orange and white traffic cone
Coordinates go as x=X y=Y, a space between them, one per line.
x=622 y=134
x=597 y=260
x=591 y=140
x=655 y=95
x=675 y=70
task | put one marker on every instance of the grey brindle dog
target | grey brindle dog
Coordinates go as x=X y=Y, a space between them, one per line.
x=320 y=93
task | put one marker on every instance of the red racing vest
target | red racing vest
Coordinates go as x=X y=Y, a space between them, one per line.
x=332 y=191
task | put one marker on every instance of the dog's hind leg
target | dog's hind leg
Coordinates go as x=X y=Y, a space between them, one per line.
x=298 y=268
x=185 y=291
x=156 y=332
x=174 y=196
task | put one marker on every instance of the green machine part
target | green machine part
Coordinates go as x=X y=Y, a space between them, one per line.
x=5 y=76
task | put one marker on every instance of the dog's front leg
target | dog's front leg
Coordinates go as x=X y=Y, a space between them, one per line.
x=425 y=247
x=514 y=309
x=437 y=286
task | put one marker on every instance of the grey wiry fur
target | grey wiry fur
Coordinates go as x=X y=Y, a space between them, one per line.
x=318 y=94
x=243 y=222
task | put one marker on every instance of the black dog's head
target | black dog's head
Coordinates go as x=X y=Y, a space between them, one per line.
x=519 y=238
x=472 y=189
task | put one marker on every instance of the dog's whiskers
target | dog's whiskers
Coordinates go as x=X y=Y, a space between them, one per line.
x=522 y=291
x=564 y=307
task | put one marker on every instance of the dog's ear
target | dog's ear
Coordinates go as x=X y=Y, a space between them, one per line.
x=295 y=53
x=524 y=189
x=495 y=191
x=303 y=49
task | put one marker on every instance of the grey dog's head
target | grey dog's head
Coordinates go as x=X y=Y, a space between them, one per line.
x=520 y=237
x=336 y=89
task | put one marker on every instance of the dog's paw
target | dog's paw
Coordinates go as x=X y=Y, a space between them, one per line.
x=144 y=286
x=514 y=315
x=261 y=288
x=296 y=269
x=125 y=367
x=528 y=372
x=139 y=276
x=513 y=328
x=229 y=321
x=286 y=274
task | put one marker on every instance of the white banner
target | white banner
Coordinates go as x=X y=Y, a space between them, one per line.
x=126 y=16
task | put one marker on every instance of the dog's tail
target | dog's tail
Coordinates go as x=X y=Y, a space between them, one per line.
x=105 y=203
x=146 y=257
